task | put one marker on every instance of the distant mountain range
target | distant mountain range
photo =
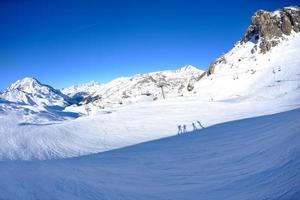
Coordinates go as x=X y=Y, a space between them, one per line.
x=265 y=63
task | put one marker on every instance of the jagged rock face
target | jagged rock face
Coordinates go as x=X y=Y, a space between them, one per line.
x=266 y=30
x=268 y=27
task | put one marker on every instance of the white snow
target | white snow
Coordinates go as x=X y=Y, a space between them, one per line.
x=248 y=159
x=83 y=89
x=120 y=126
x=296 y=8
x=246 y=85
x=128 y=90
x=31 y=92
x=256 y=76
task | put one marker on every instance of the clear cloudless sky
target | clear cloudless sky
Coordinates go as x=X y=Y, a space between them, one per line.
x=66 y=42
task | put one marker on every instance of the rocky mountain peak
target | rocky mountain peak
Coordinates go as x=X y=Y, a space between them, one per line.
x=267 y=28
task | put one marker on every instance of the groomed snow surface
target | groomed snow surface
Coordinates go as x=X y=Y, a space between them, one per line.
x=255 y=158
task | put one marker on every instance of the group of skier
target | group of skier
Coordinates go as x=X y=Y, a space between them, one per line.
x=182 y=128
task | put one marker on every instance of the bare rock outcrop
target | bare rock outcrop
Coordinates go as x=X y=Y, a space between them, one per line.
x=267 y=28
x=266 y=31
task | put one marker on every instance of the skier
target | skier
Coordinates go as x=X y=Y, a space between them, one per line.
x=194 y=126
x=200 y=124
x=184 y=128
x=179 y=130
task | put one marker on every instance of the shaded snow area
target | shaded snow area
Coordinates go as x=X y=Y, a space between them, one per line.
x=256 y=158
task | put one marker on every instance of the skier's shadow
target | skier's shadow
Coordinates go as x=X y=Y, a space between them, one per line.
x=182 y=128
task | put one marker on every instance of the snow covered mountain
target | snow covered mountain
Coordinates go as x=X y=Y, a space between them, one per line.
x=140 y=87
x=264 y=64
x=79 y=92
x=31 y=92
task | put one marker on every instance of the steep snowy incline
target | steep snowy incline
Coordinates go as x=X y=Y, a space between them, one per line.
x=242 y=75
x=256 y=158
x=31 y=92
x=265 y=64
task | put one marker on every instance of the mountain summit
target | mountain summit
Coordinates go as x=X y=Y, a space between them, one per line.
x=30 y=91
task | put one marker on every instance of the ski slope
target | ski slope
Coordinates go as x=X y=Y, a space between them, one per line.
x=120 y=126
x=256 y=158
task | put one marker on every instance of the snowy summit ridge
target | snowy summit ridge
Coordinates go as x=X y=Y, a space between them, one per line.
x=30 y=91
x=140 y=87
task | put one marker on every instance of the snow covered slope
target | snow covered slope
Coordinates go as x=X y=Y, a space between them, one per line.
x=256 y=158
x=239 y=74
x=265 y=64
x=31 y=136
x=31 y=92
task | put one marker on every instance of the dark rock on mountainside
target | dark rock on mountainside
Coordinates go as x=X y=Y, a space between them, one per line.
x=267 y=28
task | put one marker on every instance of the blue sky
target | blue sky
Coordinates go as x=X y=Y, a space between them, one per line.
x=66 y=42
